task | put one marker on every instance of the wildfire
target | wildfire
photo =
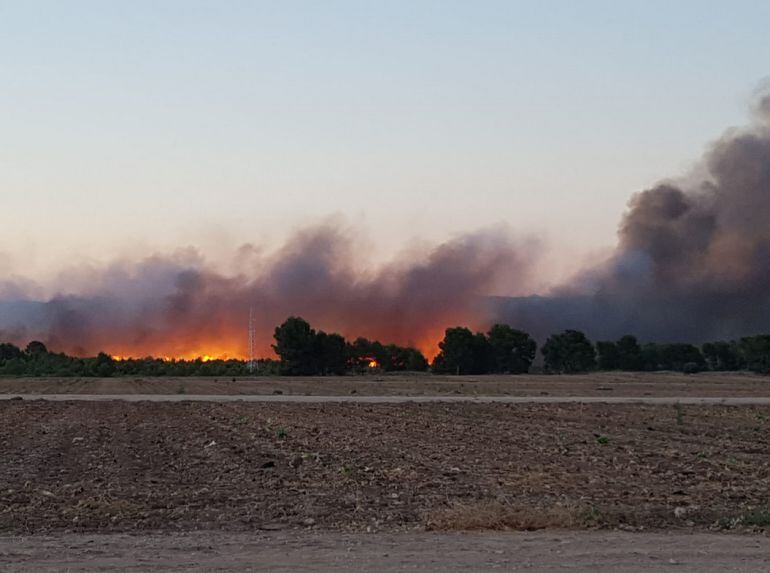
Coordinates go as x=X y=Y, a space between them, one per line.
x=225 y=347
x=428 y=342
x=188 y=356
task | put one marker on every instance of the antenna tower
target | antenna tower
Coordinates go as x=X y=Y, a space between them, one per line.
x=252 y=338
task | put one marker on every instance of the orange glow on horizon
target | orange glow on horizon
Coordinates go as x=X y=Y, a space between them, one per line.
x=190 y=356
x=232 y=348
x=428 y=343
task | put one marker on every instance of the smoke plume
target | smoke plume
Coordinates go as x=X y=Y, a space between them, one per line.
x=692 y=264
x=178 y=307
x=693 y=259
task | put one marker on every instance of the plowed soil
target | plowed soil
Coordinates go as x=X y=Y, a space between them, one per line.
x=116 y=466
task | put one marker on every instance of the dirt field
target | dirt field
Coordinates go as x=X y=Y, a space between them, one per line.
x=116 y=466
x=197 y=486
x=544 y=552
x=596 y=384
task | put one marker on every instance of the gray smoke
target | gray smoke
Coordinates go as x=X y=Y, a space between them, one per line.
x=177 y=306
x=693 y=260
x=692 y=264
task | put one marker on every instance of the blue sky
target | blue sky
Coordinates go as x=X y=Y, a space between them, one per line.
x=130 y=127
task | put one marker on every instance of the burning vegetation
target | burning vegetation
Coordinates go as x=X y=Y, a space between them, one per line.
x=303 y=351
x=178 y=307
x=692 y=264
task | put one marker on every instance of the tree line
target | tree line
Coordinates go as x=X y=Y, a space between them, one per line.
x=304 y=351
x=36 y=360
x=506 y=350
x=571 y=351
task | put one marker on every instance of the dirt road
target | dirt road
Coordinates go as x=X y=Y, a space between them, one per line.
x=661 y=384
x=577 y=552
x=315 y=399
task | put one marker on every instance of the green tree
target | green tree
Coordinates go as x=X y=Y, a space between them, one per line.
x=723 y=356
x=331 y=353
x=629 y=353
x=36 y=349
x=675 y=356
x=672 y=356
x=569 y=352
x=483 y=355
x=295 y=344
x=104 y=365
x=463 y=352
x=650 y=356
x=456 y=355
x=9 y=352
x=415 y=361
x=608 y=356
x=363 y=351
x=513 y=350
x=756 y=351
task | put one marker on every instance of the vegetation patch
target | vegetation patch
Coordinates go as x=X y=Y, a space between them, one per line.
x=498 y=516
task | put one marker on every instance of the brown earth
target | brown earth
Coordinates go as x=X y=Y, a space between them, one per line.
x=736 y=384
x=116 y=466
x=325 y=552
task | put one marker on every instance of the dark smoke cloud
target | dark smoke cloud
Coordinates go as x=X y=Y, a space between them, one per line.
x=692 y=264
x=693 y=260
x=176 y=306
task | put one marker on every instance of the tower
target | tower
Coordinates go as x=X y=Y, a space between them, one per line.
x=252 y=337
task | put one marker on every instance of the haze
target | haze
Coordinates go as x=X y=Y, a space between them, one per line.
x=139 y=127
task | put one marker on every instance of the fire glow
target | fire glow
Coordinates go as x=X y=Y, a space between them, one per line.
x=179 y=307
x=192 y=357
x=690 y=264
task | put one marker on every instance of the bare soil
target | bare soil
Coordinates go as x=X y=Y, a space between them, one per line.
x=545 y=552
x=117 y=466
x=736 y=384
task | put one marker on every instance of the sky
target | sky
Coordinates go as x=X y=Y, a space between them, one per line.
x=128 y=128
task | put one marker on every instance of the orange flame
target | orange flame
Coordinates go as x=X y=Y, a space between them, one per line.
x=232 y=345
x=186 y=356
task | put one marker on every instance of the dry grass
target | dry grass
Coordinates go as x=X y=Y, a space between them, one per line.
x=593 y=384
x=498 y=516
